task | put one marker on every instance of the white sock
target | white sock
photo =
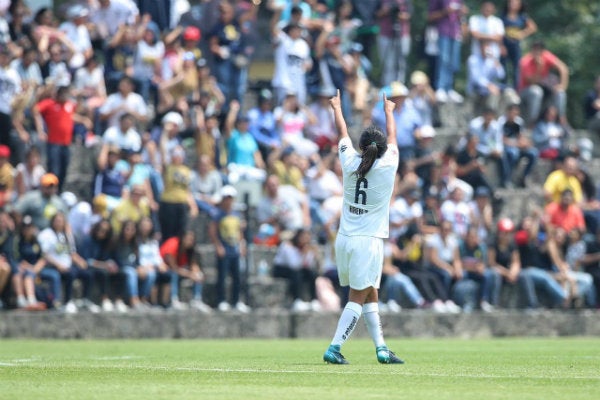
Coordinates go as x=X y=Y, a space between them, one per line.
x=32 y=300
x=347 y=323
x=373 y=322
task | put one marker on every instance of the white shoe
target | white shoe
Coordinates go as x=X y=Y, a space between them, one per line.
x=486 y=307
x=200 y=306
x=91 y=307
x=452 y=307
x=315 y=305
x=224 y=306
x=70 y=308
x=107 y=306
x=455 y=97
x=300 y=305
x=178 y=305
x=393 y=306
x=22 y=302
x=441 y=96
x=241 y=307
x=120 y=306
x=438 y=306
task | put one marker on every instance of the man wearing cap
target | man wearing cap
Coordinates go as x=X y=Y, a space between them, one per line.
x=77 y=32
x=408 y=121
x=263 y=126
x=43 y=203
x=292 y=59
x=226 y=232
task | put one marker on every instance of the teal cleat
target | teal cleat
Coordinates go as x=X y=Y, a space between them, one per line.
x=333 y=355
x=386 y=356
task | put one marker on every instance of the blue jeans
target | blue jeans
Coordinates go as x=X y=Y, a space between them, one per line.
x=228 y=265
x=513 y=55
x=490 y=284
x=449 y=62
x=131 y=281
x=231 y=80
x=59 y=157
x=514 y=155
x=196 y=287
x=398 y=284
x=52 y=276
x=68 y=277
x=445 y=278
x=145 y=285
x=537 y=278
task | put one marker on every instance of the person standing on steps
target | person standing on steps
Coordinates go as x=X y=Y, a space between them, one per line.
x=368 y=180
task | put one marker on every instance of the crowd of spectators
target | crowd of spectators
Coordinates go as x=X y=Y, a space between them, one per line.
x=159 y=92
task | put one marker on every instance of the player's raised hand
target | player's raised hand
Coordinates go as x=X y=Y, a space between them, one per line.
x=388 y=105
x=336 y=101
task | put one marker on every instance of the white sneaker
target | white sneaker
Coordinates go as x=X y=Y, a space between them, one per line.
x=91 y=307
x=452 y=307
x=486 y=307
x=224 y=306
x=241 y=307
x=107 y=306
x=438 y=306
x=70 y=308
x=455 y=97
x=300 y=305
x=315 y=305
x=22 y=302
x=441 y=96
x=393 y=306
x=178 y=305
x=200 y=306
x=120 y=306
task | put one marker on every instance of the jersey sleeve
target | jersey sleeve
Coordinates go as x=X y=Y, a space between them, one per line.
x=391 y=156
x=346 y=151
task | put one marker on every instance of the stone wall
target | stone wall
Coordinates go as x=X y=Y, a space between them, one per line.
x=279 y=324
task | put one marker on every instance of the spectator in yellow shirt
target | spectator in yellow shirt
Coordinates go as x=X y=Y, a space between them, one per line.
x=133 y=208
x=564 y=178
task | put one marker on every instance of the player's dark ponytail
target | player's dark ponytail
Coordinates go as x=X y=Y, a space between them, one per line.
x=373 y=145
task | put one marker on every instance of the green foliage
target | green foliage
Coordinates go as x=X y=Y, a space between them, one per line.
x=559 y=368
x=570 y=29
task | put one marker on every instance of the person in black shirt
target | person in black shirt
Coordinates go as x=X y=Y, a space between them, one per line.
x=471 y=165
x=516 y=144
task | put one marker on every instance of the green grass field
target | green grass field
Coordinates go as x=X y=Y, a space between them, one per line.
x=562 y=368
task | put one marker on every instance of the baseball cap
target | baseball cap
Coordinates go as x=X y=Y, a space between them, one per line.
x=505 y=225
x=69 y=198
x=77 y=11
x=396 y=89
x=173 y=117
x=27 y=220
x=4 y=151
x=228 y=191
x=427 y=131
x=419 y=78
x=482 y=191
x=192 y=33
x=49 y=179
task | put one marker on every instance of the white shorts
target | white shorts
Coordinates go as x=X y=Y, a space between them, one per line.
x=359 y=261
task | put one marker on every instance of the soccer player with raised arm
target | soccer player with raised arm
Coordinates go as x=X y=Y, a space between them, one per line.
x=368 y=179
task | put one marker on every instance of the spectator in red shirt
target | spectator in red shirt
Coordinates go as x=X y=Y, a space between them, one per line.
x=538 y=80
x=179 y=254
x=565 y=213
x=55 y=119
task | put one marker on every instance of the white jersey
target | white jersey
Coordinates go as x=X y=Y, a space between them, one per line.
x=366 y=210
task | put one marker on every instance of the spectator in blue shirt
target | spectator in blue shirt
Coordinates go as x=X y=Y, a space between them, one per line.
x=408 y=121
x=243 y=154
x=262 y=124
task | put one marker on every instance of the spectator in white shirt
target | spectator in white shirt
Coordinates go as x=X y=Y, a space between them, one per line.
x=486 y=26
x=124 y=101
